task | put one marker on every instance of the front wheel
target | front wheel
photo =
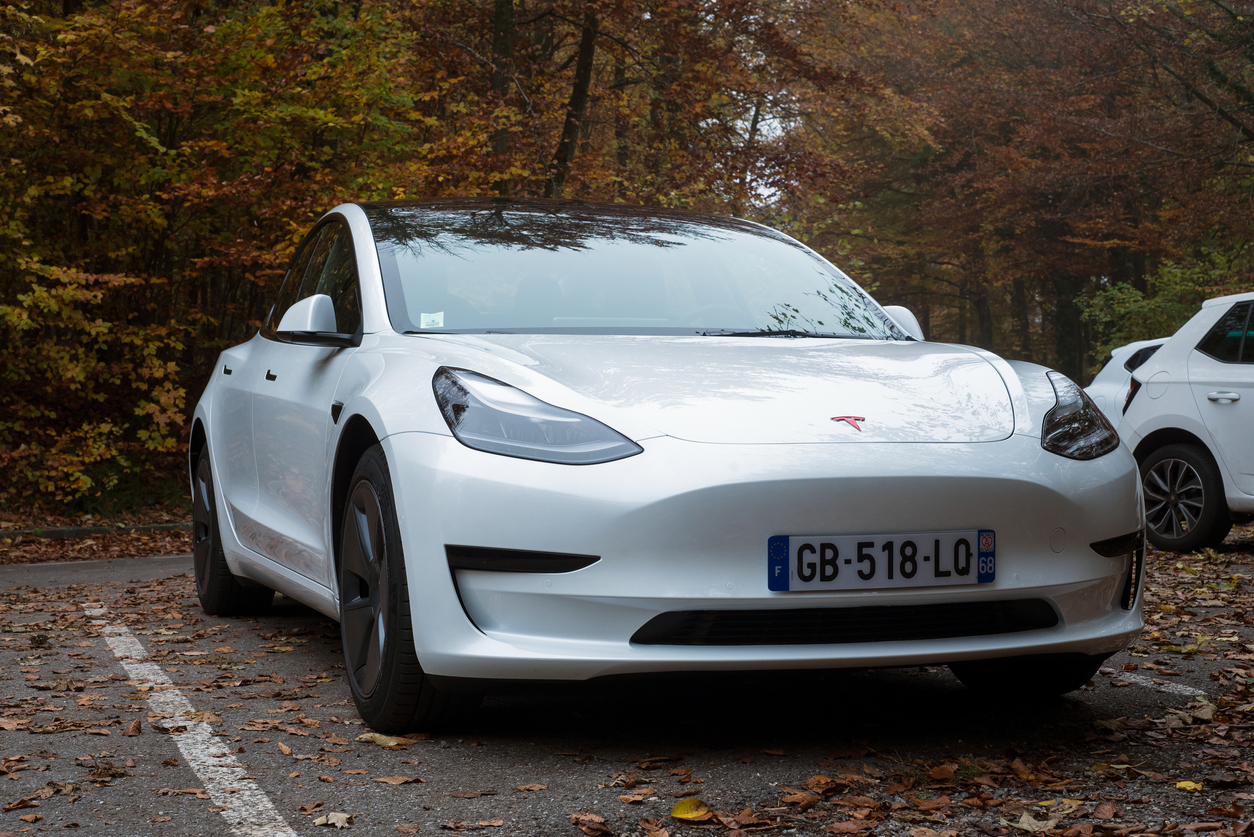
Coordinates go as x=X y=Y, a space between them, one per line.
x=221 y=593
x=389 y=687
x=1185 y=509
x=1042 y=675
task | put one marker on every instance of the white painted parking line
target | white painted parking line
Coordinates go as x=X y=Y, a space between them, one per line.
x=1150 y=683
x=241 y=802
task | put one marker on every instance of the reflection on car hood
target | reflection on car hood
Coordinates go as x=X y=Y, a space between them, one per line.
x=774 y=390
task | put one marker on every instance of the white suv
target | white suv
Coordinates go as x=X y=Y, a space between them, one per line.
x=1189 y=418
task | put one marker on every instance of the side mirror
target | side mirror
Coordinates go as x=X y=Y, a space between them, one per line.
x=312 y=321
x=903 y=317
x=312 y=314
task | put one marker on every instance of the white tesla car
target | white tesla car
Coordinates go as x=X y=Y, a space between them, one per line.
x=505 y=439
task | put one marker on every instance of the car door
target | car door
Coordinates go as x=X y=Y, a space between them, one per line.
x=1221 y=375
x=292 y=414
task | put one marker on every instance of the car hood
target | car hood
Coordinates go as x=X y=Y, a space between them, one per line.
x=765 y=390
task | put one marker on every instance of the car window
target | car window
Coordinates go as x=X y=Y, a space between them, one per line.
x=1138 y=358
x=1247 y=350
x=289 y=290
x=333 y=271
x=1223 y=342
x=613 y=270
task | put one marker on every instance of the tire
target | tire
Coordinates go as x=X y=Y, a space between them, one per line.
x=391 y=691
x=221 y=593
x=1185 y=509
x=1041 y=675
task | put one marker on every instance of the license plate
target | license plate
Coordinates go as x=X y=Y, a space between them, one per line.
x=869 y=562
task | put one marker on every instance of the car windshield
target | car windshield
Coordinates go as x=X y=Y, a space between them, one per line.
x=537 y=267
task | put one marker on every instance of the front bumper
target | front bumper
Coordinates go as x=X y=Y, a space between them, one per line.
x=684 y=527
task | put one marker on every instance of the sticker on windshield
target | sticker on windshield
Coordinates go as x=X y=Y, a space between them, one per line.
x=435 y=320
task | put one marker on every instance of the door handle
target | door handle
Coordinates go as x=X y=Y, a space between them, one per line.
x=1224 y=397
x=270 y=376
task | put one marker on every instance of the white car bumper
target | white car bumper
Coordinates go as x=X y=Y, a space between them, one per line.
x=684 y=527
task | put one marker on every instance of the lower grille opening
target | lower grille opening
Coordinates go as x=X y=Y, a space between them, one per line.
x=822 y=626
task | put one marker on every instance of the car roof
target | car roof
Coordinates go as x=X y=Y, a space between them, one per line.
x=1229 y=299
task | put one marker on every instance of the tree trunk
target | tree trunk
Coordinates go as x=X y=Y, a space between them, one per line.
x=983 y=319
x=1068 y=337
x=504 y=24
x=1019 y=307
x=575 y=108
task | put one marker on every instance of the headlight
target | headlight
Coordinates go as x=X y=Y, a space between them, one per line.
x=1075 y=428
x=488 y=415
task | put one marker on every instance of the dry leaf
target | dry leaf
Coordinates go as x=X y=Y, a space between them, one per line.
x=805 y=799
x=393 y=780
x=335 y=819
x=944 y=772
x=691 y=809
x=384 y=740
x=133 y=728
x=847 y=827
x=1032 y=825
x=284 y=749
x=1190 y=787
x=590 y=824
x=491 y=823
x=407 y=828
x=1104 y=811
x=533 y=787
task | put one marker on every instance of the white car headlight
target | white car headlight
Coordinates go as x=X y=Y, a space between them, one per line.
x=491 y=416
x=1075 y=428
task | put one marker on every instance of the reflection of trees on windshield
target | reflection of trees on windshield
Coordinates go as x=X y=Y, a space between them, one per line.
x=530 y=265
x=454 y=225
x=847 y=316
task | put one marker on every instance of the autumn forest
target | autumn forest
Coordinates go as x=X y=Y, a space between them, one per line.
x=1044 y=178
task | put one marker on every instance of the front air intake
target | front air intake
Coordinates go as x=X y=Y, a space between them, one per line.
x=823 y=626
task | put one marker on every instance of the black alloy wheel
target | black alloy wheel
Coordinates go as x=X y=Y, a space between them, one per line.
x=389 y=687
x=1185 y=509
x=220 y=592
x=363 y=588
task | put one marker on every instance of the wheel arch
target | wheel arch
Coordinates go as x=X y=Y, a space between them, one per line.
x=1169 y=436
x=199 y=437
x=357 y=437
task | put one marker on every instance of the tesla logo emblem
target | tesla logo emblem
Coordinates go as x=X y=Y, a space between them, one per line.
x=852 y=421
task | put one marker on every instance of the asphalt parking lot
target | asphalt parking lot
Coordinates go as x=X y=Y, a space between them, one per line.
x=125 y=710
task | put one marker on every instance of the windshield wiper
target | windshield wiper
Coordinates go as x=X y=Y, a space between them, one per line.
x=765 y=332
